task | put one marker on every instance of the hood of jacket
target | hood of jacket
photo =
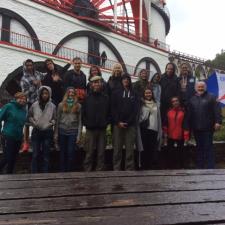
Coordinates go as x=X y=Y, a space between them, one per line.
x=49 y=91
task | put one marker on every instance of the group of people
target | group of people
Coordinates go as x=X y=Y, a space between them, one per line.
x=146 y=114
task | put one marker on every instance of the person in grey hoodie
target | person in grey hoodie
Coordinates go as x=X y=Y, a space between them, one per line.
x=68 y=129
x=42 y=116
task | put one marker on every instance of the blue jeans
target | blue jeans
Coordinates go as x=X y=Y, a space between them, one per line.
x=68 y=146
x=205 y=153
x=41 y=142
x=11 y=149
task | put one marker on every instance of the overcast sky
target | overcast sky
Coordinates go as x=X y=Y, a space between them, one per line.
x=197 y=27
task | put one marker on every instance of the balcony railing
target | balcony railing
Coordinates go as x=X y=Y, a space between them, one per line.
x=47 y=48
x=121 y=28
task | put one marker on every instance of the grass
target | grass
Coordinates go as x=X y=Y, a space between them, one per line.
x=220 y=135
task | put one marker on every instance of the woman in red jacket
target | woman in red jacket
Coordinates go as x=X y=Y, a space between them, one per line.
x=176 y=133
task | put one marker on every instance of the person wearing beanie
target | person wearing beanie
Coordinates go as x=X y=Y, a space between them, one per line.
x=13 y=115
x=68 y=129
x=95 y=117
x=124 y=111
x=42 y=116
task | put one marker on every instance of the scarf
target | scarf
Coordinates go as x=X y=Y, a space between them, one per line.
x=70 y=102
x=150 y=104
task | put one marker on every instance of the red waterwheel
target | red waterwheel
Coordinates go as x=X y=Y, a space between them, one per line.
x=127 y=14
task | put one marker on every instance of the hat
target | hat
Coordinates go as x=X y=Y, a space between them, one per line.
x=95 y=78
x=70 y=88
x=20 y=95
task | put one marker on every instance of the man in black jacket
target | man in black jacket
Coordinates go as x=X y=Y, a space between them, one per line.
x=77 y=79
x=205 y=118
x=95 y=118
x=169 y=88
x=124 y=110
x=187 y=85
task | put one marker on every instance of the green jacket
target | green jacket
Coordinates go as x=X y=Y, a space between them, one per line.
x=14 y=117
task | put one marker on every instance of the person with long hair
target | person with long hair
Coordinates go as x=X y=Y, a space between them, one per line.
x=114 y=83
x=156 y=87
x=54 y=79
x=176 y=132
x=42 y=116
x=96 y=71
x=14 y=116
x=68 y=129
x=150 y=130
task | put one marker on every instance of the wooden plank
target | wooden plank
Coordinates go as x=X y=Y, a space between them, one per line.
x=107 y=174
x=109 y=201
x=99 y=188
x=116 y=183
x=209 y=213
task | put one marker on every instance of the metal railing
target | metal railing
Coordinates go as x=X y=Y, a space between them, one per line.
x=27 y=43
x=127 y=31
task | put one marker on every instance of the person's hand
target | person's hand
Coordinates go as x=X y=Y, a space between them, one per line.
x=36 y=82
x=165 y=141
x=56 y=78
x=122 y=125
x=71 y=62
x=217 y=126
x=78 y=141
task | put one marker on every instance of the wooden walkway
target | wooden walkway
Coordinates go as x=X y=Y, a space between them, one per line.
x=114 y=198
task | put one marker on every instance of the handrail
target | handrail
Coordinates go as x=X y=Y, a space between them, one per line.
x=65 y=53
x=120 y=29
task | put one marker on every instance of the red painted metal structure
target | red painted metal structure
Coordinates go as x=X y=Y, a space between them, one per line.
x=127 y=19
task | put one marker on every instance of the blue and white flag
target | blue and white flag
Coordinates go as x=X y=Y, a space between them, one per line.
x=216 y=86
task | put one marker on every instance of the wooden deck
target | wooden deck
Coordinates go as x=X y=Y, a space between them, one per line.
x=114 y=198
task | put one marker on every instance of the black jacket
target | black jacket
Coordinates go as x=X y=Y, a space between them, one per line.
x=72 y=79
x=114 y=84
x=190 y=89
x=124 y=107
x=57 y=87
x=169 y=88
x=95 y=111
x=204 y=111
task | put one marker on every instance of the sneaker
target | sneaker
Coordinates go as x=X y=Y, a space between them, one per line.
x=25 y=147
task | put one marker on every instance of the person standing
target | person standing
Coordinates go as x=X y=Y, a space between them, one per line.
x=42 y=116
x=187 y=85
x=77 y=79
x=54 y=79
x=95 y=117
x=142 y=83
x=95 y=71
x=204 y=118
x=169 y=88
x=156 y=87
x=114 y=82
x=30 y=83
x=150 y=130
x=124 y=111
x=176 y=133
x=13 y=115
x=103 y=58
x=68 y=129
